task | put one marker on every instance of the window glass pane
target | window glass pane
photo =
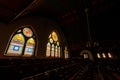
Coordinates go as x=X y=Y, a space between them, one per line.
x=51 y=40
x=85 y=55
x=109 y=55
x=54 y=36
x=50 y=36
x=103 y=54
x=52 y=51
x=98 y=55
x=27 y=32
x=16 y=45
x=56 y=55
x=57 y=43
x=29 y=48
x=66 y=55
x=59 y=51
x=66 y=52
x=48 y=49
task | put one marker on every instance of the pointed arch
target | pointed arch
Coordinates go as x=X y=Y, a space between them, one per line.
x=22 y=43
x=29 y=47
x=16 y=45
x=87 y=54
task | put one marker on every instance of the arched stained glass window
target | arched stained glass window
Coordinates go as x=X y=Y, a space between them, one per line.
x=16 y=45
x=53 y=47
x=66 y=52
x=59 y=51
x=56 y=55
x=52 y=50
x=22 y=43
x=29 y=48
x=98 y=55
x=103 y=54
x=85 y=55
x=109 y=55
x=48 y=49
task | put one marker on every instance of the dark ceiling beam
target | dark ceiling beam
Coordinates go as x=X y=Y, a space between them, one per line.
x=26 y=9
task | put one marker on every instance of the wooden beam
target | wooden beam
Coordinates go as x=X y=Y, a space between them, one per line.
x=26 y=10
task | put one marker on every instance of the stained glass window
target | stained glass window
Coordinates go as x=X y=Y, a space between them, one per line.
x=51 y=40
x=48 y=49
x=29 y=48
x=109 y=55
x=27 y=32
x=16 y=45
x=66 y=52
x=23 y=42
x=59 y=51
x=54 y=36
x=103 y=54
x=53 y=49
x=98 y=55
x=85 y=55
x=56 y=55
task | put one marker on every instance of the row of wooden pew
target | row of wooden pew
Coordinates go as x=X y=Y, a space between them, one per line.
x=17 y=69
x=102 y=70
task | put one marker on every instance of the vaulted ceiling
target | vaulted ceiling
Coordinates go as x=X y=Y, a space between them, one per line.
x=103 y=17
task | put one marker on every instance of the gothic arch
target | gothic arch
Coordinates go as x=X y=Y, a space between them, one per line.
x=23 y=42
x=88 y=52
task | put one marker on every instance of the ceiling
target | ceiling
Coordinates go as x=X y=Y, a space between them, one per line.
x=103 y=17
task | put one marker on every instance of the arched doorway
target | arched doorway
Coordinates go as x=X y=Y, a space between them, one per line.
x=86 y=54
